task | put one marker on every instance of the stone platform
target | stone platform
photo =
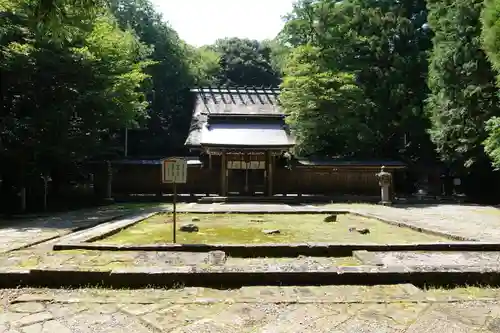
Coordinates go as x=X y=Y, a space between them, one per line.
x=325 y=309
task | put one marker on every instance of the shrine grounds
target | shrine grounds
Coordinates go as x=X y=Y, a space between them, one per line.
x=115 y=268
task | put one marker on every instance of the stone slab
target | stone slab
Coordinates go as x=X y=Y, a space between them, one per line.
x=437 y=259
x=286 y=250
x=237 y=276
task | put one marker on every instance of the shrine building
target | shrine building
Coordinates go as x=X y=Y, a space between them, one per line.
x=240 y=145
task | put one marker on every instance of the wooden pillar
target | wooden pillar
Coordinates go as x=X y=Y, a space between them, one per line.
x=270 y=172
x=223 y=176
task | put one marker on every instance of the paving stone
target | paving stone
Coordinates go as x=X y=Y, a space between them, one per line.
x=59 y=310
x=36 y=328
x=493 y=325
x=397 y=316
x=88 y=321
x=472 y=314
x=140 y=309
x=295 y=318
x=104 y=308
x=335 y=316
x=205 y=325
x=439 y=323
x=33 y=319
x=243 y=316
x=30 y=307
x=362 y=326
x=7 y=317
x=438 y=259
x=53 y=326
x=177 y=315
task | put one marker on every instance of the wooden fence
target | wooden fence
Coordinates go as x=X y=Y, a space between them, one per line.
x=131 y=179
x=326 y=181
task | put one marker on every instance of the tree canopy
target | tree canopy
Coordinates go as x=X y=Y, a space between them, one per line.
x=63 y=101
x=491 y=45
x=416 y=81
x=382 y=46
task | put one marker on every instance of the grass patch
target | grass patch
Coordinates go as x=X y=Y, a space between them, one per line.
x=469 y=292
x=243 y=228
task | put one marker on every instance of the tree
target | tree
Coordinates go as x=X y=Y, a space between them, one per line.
x=245 y=62
x=491 y=45
x=383 y=45
x=63 y=99
x=463 y=94
x=319 y=104
x=171 y=80
x=205 y=65
x=492 y=143
x=279 y=53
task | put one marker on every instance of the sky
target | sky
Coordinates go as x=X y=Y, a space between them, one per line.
x=201 y=22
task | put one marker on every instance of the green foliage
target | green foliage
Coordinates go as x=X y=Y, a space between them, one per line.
x=490 y=31
x=383 y=45
x=205 y=65
x=462 y=85
x=171 y=79
x=279 y=53
x=319 y=102
x=491 y=45
x=492 y=143
x=245 y=62
x=63 y=100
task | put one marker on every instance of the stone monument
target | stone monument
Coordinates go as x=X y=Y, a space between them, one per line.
x=384 y=180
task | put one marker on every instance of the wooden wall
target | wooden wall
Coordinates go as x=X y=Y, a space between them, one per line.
x=146 y=179
x=326 y=180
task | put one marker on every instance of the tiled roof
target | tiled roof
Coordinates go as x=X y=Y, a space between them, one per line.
x=251 y=101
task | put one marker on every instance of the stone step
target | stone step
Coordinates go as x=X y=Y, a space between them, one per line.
x=237 y=276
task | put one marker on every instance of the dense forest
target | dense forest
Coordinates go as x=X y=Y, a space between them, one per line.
x=416 y=81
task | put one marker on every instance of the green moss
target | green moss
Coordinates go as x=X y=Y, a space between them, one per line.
x=29 y=262
x=469 y=292
x=243 y=228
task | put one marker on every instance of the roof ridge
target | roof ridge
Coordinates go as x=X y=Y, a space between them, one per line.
x=236 y=90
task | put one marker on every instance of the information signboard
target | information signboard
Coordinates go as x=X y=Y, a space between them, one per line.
x=174 y=171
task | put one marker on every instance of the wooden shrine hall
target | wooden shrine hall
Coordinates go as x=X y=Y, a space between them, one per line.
x=242 y=132
x=239 y=144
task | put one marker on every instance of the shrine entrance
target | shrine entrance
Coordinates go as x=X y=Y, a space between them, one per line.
x=246 y=174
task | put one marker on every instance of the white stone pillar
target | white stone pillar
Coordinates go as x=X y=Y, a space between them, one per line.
x=385 y=194
x=385 y=179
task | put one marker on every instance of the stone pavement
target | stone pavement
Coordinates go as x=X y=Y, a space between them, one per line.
x=19 y=233
x=437 y=259
x=106 y=260
x=339 y=309
x=474 y=222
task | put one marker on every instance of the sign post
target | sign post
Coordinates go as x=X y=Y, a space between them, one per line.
x=174 y=171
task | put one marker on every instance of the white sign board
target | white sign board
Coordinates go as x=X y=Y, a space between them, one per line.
x=174 y=170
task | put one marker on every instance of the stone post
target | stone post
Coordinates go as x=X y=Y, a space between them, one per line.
x=108 y=190
x=384 y=180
